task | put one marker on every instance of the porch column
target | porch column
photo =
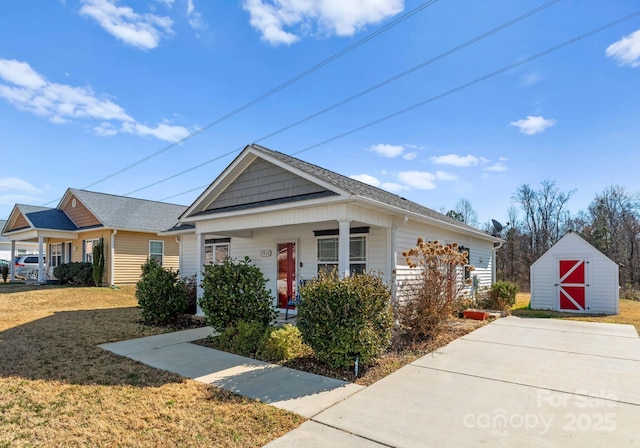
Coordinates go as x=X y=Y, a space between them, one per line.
x=343 y=247
x=40 y=259
x=200 y=244
x=12 y=261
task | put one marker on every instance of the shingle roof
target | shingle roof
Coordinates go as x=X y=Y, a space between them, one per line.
x=358 y=188
x=51 y=218
x=121 y=212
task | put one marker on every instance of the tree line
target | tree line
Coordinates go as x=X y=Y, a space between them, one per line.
x=611 y=223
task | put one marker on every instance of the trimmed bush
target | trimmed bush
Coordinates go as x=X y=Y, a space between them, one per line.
x=75 y=273
x=161 y=294
x=235 y=291
x=242 y=338
x=502 y=296
x=283 y=344
x=346 y=318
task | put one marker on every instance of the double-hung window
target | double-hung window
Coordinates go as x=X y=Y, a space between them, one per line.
x=327 y=253
x=216 y=250
x=55 y=256
x=88 y=249
x=156 y=251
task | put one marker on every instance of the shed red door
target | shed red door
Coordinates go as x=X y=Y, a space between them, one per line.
x=572 y=285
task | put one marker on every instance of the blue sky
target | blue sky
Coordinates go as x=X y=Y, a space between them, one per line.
x=91 y=87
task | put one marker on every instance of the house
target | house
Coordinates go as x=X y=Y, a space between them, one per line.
x=128 y=228
x=294 y=219
x=574 y=276
x=22 y=248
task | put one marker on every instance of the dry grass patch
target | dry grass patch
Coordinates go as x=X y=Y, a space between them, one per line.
x=629 y=312
x=57 y=388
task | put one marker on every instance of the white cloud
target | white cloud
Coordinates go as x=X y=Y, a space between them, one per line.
x=421 y=180
x=330 y=17
x=15 y=184
x=456 y=160
x=195 y=18
x=443 y=175
x=496 y=167
x=627 y=50
x=393 y=187
x=143 y=31
x=533 y=124
x=367 y=179
x=389 y=151
x=61 y=103
x=410 y=155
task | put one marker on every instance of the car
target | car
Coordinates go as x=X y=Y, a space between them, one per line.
x=27 y=266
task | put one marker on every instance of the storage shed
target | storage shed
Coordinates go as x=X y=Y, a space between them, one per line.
x=576 y=277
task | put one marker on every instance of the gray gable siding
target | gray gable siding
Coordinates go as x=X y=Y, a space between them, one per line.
x=264 y=182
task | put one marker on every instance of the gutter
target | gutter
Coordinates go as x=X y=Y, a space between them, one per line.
x=113 y=253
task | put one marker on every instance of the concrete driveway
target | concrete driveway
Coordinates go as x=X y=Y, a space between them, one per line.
x=515 y=382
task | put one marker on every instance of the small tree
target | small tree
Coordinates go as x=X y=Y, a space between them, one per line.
x=428 y=300
x=346 y=318
x=5 y=272
x=235 y=291
x=98 y=262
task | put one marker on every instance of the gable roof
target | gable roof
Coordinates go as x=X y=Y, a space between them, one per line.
x=340 y=184
x=122 y=212
x=571 y=238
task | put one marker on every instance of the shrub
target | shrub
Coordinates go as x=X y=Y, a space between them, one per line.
x=75 y=273
x=502 y=296
x=242 y=338
x=98 y=262
x=161 y=295
x=235 y=291
x=342 y=319
x=5 y=272
x=429 y=299
x=283 y=344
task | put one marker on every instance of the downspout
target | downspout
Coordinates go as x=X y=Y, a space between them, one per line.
x=179 y=241
x=393 y=258
x=113 y=253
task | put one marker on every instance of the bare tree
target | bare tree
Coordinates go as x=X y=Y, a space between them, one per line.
x=464 y=212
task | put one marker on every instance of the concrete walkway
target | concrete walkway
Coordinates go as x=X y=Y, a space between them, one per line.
x=304 y=393
x=515 y=382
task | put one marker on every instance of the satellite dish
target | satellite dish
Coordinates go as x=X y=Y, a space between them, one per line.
x=497 y=228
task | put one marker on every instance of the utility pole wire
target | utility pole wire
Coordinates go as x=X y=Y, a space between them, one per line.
x=451 y=91
x=361 y=93
x=272 y=91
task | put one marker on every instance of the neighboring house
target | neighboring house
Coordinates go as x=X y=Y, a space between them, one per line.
x=128 y=227
x=21 y=249
x=576 y=277
x=294 y=219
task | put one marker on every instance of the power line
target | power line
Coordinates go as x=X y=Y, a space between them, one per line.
x=460 y=87
x=272 y=91
x=358 y=95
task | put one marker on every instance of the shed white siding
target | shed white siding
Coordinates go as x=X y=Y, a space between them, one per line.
x=188 y=255
x=601 y=276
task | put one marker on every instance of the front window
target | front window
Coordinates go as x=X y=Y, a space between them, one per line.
x=156 y=251
x=88 y=249
x=216 y=251
x=55 y=255
x=328 y=254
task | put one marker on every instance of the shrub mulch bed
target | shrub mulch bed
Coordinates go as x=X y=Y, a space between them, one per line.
x=400 y=354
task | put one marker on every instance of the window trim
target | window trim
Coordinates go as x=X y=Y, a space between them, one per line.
x=216 y=243
x=87 y=256
x=365 y=240
x=155 y=254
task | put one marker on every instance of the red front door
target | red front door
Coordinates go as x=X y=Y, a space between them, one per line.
x=286 y=274
x=572 y=285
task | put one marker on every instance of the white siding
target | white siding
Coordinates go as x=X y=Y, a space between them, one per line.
x=480 y=251
x=601 y=296
x=188 y=255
